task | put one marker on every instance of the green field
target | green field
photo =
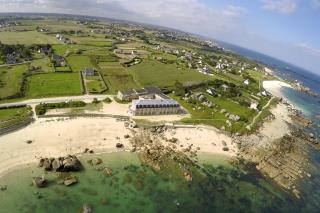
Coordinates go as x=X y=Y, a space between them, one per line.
x=95 y=84
x=63 y=49
x=154 y=73
x=13 y=116
x=117 y=77
x=28 y=37
x=79 y=63
x=44 y=64
x=11 y=79
x=53 y=84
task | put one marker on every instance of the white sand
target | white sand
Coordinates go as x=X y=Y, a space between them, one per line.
x=60 y=137
x=210 y=140
x=274 y=87
x=272 y=130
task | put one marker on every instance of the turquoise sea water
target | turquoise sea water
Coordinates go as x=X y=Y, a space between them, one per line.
x=137 y=188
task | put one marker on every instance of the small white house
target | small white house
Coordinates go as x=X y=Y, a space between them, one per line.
x=254 y=106
x=211 y=91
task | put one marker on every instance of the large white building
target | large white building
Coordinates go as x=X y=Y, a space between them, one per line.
x=154 y=107
x=149 y=101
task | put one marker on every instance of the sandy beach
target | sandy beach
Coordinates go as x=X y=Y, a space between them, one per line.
x=274 y=87
x=59 y=137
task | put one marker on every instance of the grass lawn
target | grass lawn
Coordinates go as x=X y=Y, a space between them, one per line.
x=63 y=69
x=62 y=49
x=95 y=84
x=53 y=84
x=10 y=80
x=117 y=77
x=28 y=37
x=79 y=62
x=13 y=116
x=204 y=115
x=44 y=63
x=154 y=73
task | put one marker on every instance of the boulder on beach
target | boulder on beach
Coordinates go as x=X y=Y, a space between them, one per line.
x=39 y=182
x=71 y=164
x=62 y=164
x=70 y=181
x=57 y=165
x=119 y=145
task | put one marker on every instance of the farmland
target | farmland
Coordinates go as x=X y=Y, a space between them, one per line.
x=79 y=63
x=155 y=73
x=28 y=37
x=11 y=80
x=112 y=50
x=53 y=84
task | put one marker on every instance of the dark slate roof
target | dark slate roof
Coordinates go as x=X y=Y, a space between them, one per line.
x=154 y=90
x=141 y=91
x=128 y=92
x=56 y=57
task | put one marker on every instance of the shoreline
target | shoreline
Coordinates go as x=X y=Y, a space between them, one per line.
x=60 y=137
x=56 y=137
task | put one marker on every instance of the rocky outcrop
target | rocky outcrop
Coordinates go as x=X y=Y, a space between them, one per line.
x=61 y=164
x=39 y=182
x=70 y=181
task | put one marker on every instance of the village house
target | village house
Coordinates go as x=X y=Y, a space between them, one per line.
x=133 y=94
x=126 y=52
x=246 y=82
x=11 y=59
x=254 y=106
x=58 y=60
x=44 y=50
x=89 y=72
x=211 y=91
x=59 y=37
x=224 y=87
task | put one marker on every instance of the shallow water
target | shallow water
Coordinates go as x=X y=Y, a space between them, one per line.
x=136 y=188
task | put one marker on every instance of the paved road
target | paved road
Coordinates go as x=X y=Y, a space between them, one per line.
x=54 y=100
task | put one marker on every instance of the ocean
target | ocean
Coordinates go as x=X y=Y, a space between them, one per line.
x=309 y=105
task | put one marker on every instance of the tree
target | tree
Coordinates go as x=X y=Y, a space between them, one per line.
x=179 y=89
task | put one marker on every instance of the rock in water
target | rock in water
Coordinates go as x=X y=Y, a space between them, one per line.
x=108 y=172
x=70 y=181
x=3 y=188
x=40 y=182
x=86 y=208
x=71 y=163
